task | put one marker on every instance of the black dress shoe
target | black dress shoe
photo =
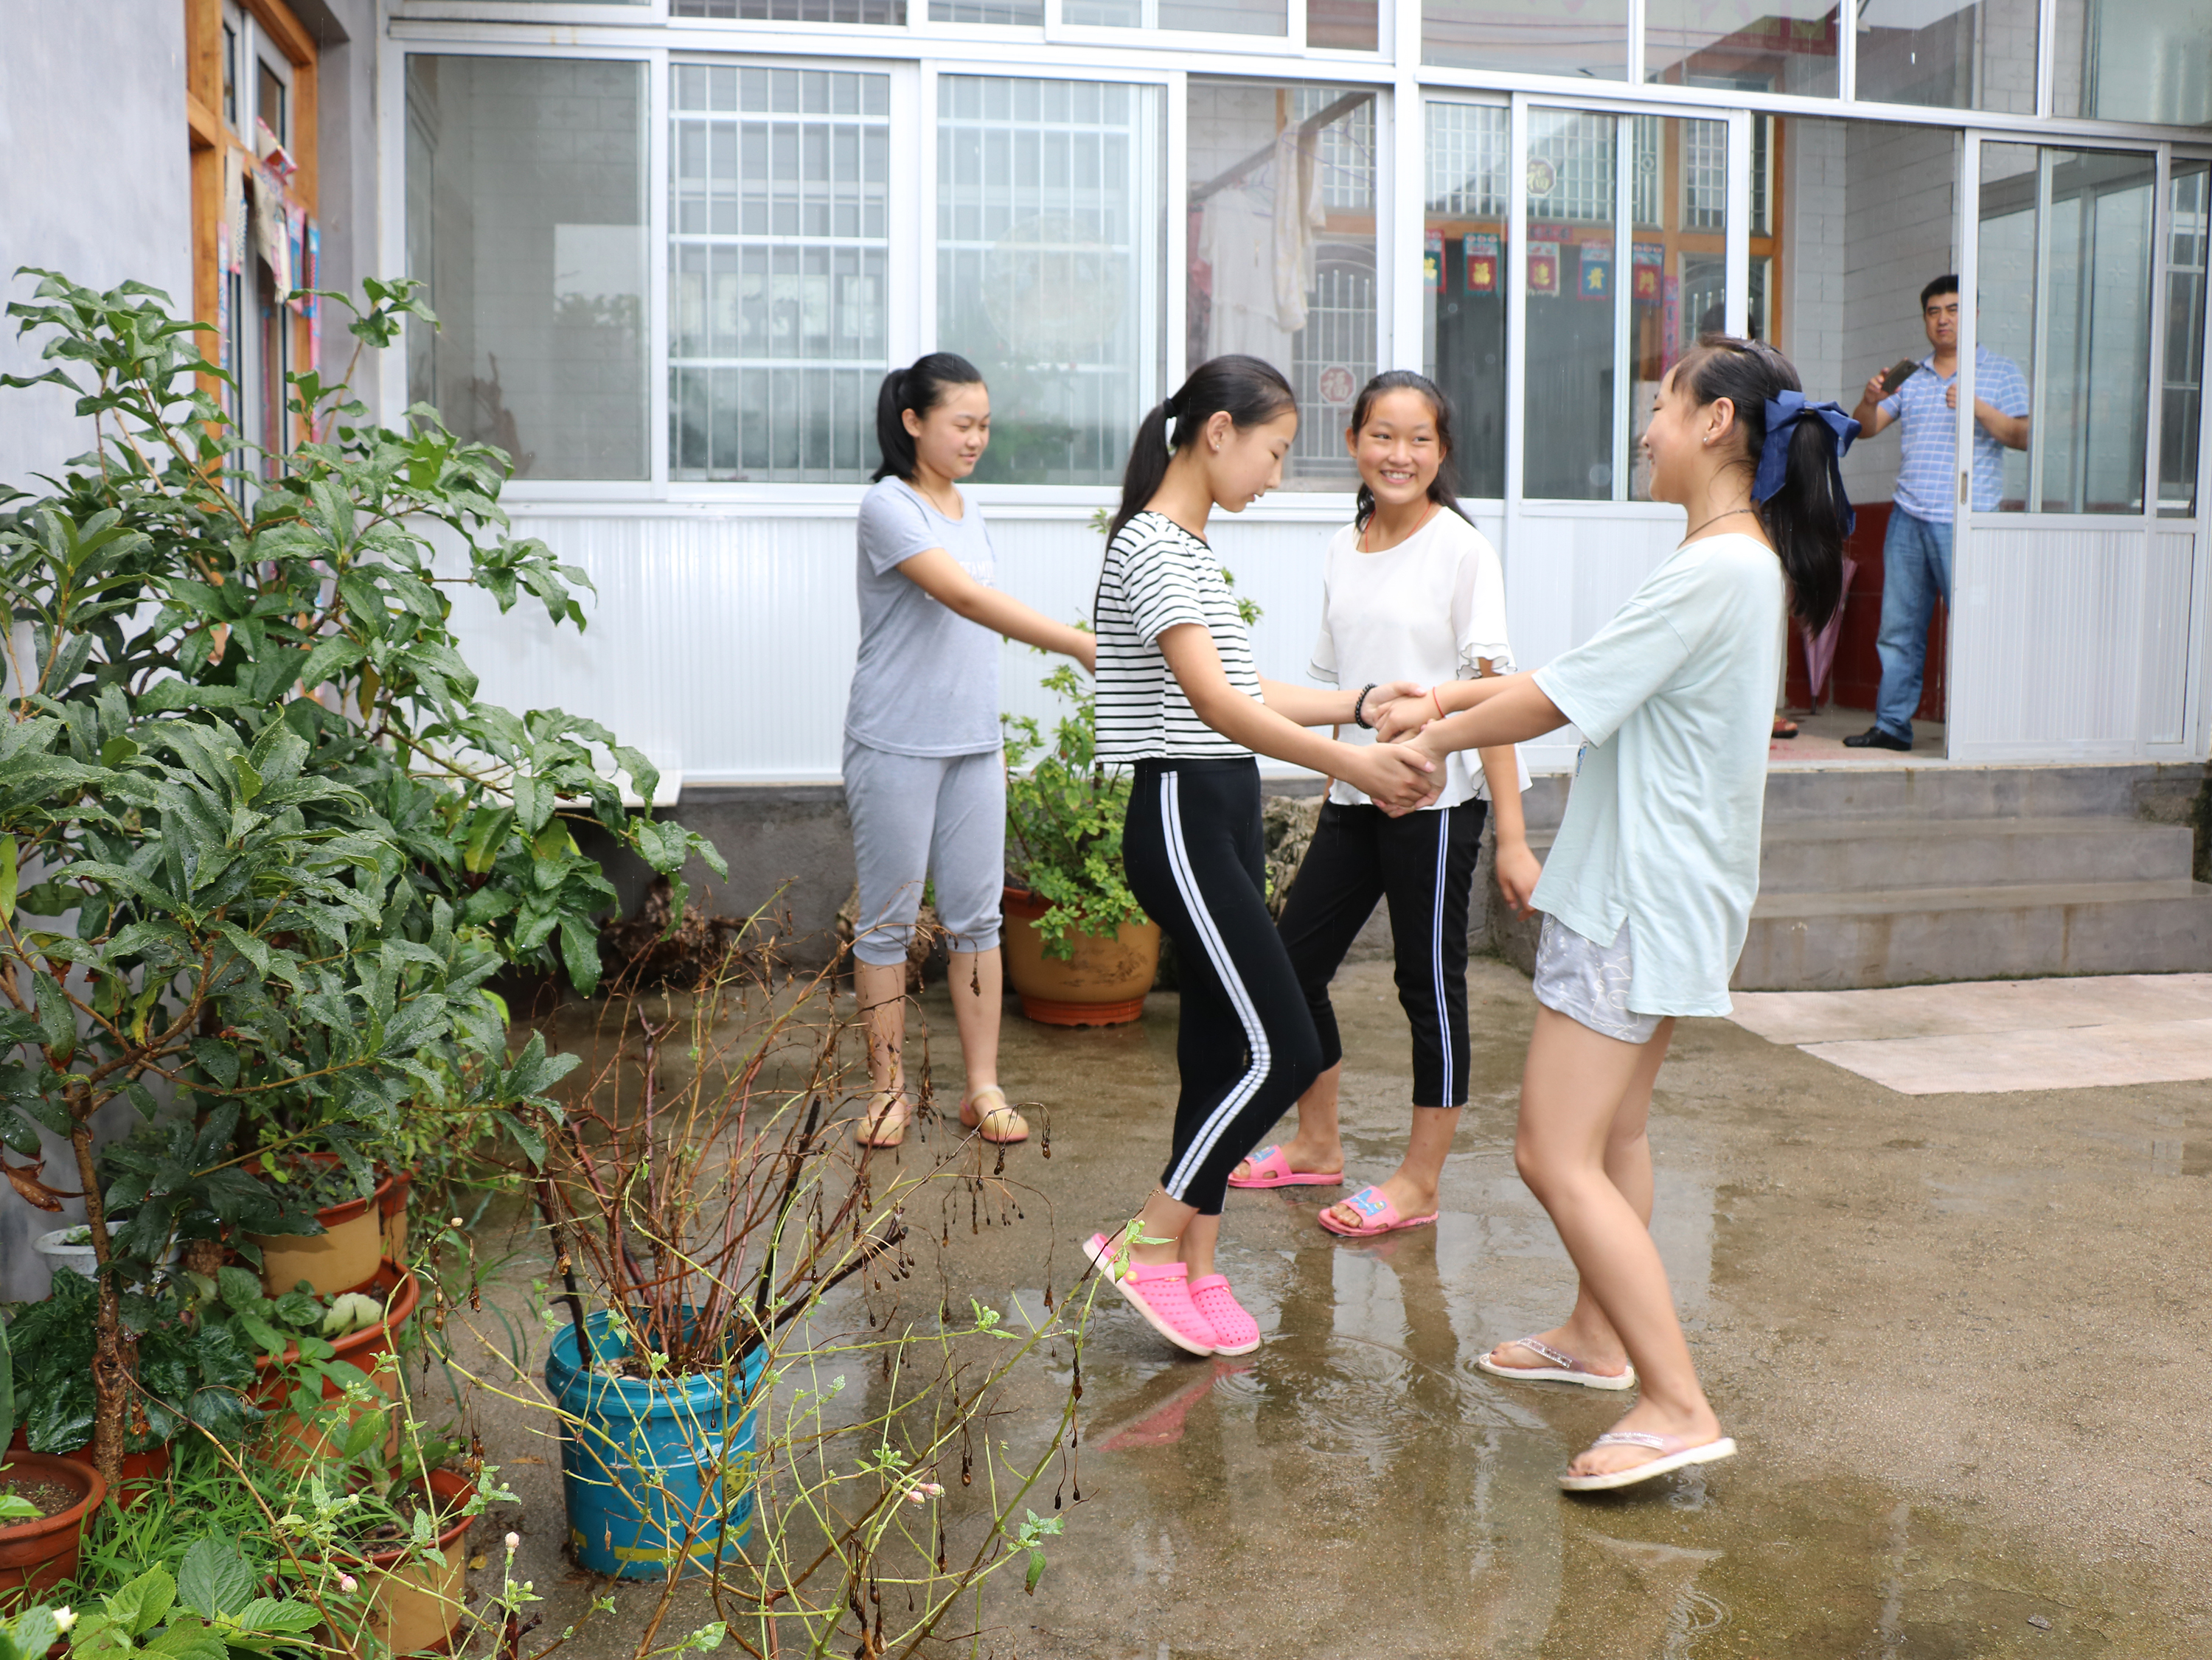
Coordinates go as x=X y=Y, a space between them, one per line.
x=1874 y=738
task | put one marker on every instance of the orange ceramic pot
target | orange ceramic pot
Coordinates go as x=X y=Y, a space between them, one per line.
x=415 y=1606
x=291 y=1439
x=39 y=1554
x=343 y=1256
x=141 y=1470
x=1103 y=984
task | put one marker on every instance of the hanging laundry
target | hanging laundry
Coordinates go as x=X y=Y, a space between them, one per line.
x=1236 y=240
x=1298 y=214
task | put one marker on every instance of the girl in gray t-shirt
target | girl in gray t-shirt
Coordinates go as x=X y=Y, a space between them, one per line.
x=924 y=785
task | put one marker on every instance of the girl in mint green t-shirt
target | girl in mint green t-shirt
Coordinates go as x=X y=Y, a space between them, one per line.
x=1648 y=889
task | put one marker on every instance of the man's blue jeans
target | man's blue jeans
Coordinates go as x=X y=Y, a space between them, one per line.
x=1916 y=568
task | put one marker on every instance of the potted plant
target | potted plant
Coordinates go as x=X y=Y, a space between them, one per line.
x=662 y=1368
x=1079 y=947
x=43 y=1503
x=345 y=1251
x=261 y=843
x=319 y=1357
x=383 y=1521
x=191 y=1371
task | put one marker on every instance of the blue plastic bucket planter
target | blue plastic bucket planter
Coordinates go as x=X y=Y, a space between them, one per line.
x=652 y=1470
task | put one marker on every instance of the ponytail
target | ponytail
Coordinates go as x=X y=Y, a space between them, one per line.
x=1250 y=392
x=1798 y=484
x=920 y=389
x=1443 y=488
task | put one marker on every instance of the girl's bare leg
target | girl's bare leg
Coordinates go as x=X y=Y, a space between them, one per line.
x=1168 y=1221
x=1575 y=1084
x=1317 y=1149
x=1588 y=1335
x=882 y=994
x=978 y=996
x=1413 y=1187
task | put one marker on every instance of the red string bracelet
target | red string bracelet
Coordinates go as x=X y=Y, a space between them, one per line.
x=1438 y=701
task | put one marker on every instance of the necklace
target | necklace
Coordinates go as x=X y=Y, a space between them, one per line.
x=1428 y=514
x=1715 y=519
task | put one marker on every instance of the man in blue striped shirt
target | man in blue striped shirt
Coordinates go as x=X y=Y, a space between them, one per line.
x=1916 y=554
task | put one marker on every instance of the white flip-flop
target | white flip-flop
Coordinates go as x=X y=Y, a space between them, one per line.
x=1674 y=1454
x=1564 y=1369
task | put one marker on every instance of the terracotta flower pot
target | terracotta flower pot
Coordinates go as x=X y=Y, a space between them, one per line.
x=392 y=1208
x=1103 y=984
x=141 y=1469
x=415 y=1606
x=343 y=1256
x=36 y=1555
x=291 y=1439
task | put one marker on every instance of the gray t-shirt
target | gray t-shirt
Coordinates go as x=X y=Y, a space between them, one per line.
x=927 y=680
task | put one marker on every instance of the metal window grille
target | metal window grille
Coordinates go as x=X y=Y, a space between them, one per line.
x=1344 y=151
x=1578 y=151
x=1645 y=191
x=777 y=269
x=1045 y=190
x=1705 y=175
x=1467 y=145
x=1339 y=332
x=890 y=13
x=1017 y=12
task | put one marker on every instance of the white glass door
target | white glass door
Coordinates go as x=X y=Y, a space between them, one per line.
x=2079 y=579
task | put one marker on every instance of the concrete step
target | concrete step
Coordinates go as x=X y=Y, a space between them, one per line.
x=2121 y=791
x=1809 y=942
x=1844 y=856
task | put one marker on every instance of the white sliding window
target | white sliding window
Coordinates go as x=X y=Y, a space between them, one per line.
x=778 y=269
x=1049 y=234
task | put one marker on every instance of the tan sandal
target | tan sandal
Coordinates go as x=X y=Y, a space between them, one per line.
x=1000 y=1124
x=877 y=1127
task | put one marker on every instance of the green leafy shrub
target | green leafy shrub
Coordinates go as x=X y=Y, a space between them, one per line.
x=1064 y=816
x=261 y=843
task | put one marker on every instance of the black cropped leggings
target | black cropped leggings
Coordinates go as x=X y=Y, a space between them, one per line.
x=1424 y=864
x=1196 y=860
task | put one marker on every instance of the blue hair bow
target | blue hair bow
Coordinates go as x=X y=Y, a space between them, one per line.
x=1783 y=415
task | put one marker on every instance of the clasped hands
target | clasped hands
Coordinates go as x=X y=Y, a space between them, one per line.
x=1402 y=774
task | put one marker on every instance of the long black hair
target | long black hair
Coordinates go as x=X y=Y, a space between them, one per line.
x=920 y=389
x=1806 y=518
x=1249 y=392
x=1443 y=488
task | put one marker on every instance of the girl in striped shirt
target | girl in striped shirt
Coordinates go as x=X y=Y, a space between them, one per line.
x=1181 y=702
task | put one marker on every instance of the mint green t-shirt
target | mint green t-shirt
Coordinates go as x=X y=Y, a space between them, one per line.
x=1675 y=697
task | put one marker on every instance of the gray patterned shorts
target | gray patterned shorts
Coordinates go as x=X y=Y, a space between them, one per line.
x=1589 y=983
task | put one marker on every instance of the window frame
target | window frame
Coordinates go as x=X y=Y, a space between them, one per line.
x=902 y=330
x=916 y=53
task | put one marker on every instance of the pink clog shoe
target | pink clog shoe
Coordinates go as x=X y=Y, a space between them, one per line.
x=1235 y=1332
x=1161 y=1293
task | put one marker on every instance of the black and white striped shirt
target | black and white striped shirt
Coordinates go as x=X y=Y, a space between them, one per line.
x=1157 y=575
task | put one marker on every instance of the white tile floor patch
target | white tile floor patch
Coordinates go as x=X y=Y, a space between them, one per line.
x=1997 y=1035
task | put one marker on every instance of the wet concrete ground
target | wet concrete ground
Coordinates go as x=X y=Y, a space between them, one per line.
x=1961 y=1339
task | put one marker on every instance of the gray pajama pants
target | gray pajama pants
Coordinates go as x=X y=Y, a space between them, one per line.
x=941 y=817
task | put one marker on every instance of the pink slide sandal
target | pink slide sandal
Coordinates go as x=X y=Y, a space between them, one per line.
x=1271 y=1169
x=1382 y=1215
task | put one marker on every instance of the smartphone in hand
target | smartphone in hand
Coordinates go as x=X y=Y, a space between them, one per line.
x=1897 y=374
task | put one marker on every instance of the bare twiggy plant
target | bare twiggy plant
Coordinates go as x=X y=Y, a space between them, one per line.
x=718 y=1236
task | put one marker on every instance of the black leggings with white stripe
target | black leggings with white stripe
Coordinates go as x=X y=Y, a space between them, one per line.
x=1197 y=862
x=1424 y=864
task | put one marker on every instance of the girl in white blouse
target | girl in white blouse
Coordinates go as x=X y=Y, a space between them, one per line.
x=1411 y=591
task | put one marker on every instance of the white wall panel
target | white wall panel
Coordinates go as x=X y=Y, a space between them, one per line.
x=2069 y=640
x=2169 y=585
x=722 y=645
